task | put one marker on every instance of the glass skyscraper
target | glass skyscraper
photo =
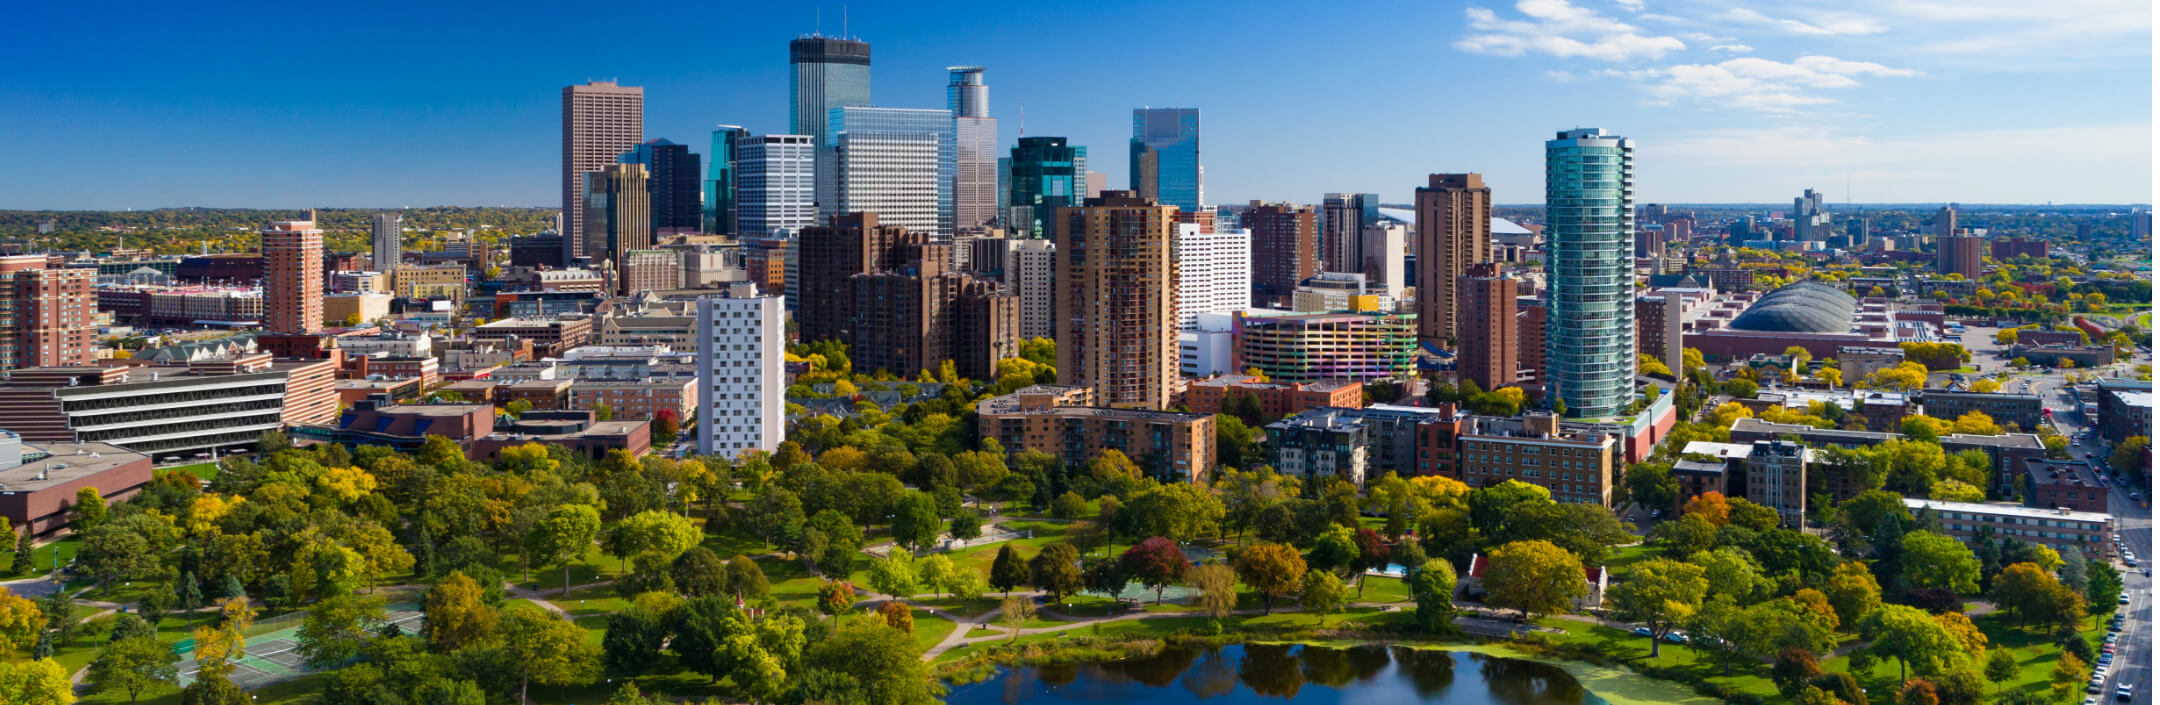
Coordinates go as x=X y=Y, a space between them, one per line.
x=1343 y=217
x=895 y=162
x=975 y=136
x=720 y=177
x=672 y=179
x=1590 y=272
x=1166 y=156
x=828 y=73
x=1041 y=175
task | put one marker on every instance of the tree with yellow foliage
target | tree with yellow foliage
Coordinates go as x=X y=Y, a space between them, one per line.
x=20 y=622
x=1977 y=423
x=1830 y=375
x=1906 y=376
x=1727 y=413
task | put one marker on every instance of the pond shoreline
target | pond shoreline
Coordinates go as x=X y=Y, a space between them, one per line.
x=1618 y=685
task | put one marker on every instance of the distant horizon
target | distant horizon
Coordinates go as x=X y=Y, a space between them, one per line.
x=1729 y=101
x=1962 y=205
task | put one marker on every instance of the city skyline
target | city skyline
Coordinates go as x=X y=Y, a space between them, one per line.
x=1900 y=103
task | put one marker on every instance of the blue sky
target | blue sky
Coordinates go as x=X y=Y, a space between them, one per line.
x=394 y=104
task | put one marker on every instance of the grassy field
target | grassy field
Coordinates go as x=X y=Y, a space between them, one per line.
x=206 y=471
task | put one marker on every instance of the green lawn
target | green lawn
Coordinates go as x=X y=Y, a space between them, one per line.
x=1624 y=557
x=1382 y=589
x=931 y=629
x=206 y=471
x=42 y=559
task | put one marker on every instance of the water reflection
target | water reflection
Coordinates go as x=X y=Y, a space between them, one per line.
x=1259 y=673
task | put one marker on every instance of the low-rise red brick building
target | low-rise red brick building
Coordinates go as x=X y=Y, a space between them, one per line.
x=1276 y=399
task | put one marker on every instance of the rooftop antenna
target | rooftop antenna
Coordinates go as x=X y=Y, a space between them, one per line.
x=818 y=21
x=843 y=23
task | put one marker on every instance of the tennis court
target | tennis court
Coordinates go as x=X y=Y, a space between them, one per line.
x=273 y=648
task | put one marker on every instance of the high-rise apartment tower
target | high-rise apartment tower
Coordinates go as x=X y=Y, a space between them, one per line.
x=1117 y=300
x=600 y=121
x=1454 y=231
x=1590 y=272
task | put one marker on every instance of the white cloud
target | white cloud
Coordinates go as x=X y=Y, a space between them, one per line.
x=1557 y=28
x=2055 y=30
x=2081 y=164
x=1824 y=24
x=1734 y=48
x=1630 y=5
x=1761 y=84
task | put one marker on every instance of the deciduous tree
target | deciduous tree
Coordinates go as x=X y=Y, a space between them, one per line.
x=1660 y=593
x=1156 y=563
x=1535 y=577
x=1272 y=569
x=455 y=614
x=133 y=665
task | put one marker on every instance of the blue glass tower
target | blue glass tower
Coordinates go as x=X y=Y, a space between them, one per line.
x=1042 y=175
x=719 y=216
x=1590 y=272
x=1166 y=156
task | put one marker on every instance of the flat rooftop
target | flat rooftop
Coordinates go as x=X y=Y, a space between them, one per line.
x=2006 y=510
x=68 y=462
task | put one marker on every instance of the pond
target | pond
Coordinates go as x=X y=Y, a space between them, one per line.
x=1260 y=673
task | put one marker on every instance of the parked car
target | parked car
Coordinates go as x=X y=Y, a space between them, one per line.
x=2124 y=693
x=1642 y=631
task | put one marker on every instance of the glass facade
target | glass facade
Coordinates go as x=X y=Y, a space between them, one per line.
x=1166 y=156
x=1043 y=174
x=774 y=183
x=896 y=162
x=1590 y=330
x=718 y=217
x=828 y=73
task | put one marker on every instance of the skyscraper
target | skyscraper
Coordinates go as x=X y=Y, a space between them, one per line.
x=856 y=243
x=1043 y=175
x=1031 y=274
x=1383 y=247
x=828 y=73
x=895 y=162
x=1214 y=271
x=742 y=339
x=965 y=94
x=1810 y=220
x=1590 y=272
x=721 y=181
x=618 y=213
x=1117 y=300
x=293 y=276
x=671 y=180
x=1454 y=231
x=1166 y=156
x=975 y=143
x=1487 y=353
x=389 y=241
x=600 y=120
x=1343 y=218
x=1285 y=249
x=774 y=183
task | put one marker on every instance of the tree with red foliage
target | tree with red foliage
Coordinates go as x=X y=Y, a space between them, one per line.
x=1373 y=551
x=1156 y=563
x=665 y=426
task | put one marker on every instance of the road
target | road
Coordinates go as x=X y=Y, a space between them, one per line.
x=2133 y=522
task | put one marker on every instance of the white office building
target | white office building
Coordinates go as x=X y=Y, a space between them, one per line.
x=742 y=376
x=1214 y=272
x=896 y=162
x=775 y=184
x=1030 y=274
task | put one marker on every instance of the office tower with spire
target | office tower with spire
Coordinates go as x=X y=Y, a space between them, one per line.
x=600 y=121
x=827 y=73
x=1343 y=218
x=975 y=143
x=1116 y=300
x=1454 y=231
x=389 y=241
x=895 y=162
x=1590 y=272
x=719 y=214
x=293 y=276
x=671 y=182
x=1042 y=175
x=1165 y=164
x=618 y=218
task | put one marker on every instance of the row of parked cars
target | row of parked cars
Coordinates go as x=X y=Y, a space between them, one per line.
x=2098 y=684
